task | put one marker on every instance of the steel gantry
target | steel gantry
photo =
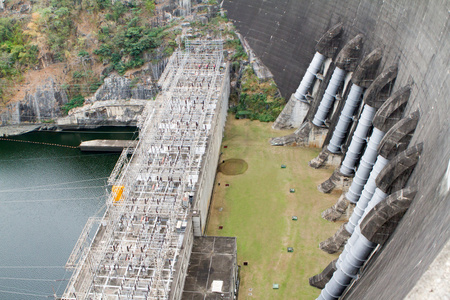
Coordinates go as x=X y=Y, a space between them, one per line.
x=134 y=252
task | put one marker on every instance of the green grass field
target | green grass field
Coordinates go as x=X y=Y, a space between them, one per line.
x=257 y=208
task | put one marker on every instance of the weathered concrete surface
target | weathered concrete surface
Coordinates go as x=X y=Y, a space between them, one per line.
x=336 y=180
x=348 y=57
x=11 y=130
x=399 y=136
x=292 y=115
x=336 y=242
x=326 y=158
x=366 y=71
x=433 y=284
x=307 y=135
x=212 y=258
x=335 y=212
x=414 y=35
x=371 y=96
x=107 y=145
x=397 y=171
x=392 y=110
x=320 y=280
x=261 y=71
x=382 y=220
x=329 y=42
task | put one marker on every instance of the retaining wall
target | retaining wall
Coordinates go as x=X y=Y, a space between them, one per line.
x=211 y=157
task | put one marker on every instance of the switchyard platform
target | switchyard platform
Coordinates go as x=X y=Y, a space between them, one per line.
x=161 y=190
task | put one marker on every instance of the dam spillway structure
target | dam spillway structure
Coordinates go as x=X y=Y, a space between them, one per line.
x=412 y=35
x=161 y=190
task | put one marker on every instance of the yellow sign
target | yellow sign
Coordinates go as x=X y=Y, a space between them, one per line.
x=117 y=192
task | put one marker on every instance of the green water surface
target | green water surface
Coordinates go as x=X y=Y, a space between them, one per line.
x=47 y=193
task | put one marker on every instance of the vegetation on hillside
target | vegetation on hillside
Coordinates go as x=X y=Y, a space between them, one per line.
x=91 y=37
x=17 y=53
x=257 y=100
x=76 y=101
x=95 y=37
x=251 y=99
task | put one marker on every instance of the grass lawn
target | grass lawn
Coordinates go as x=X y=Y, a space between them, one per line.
x=257 y=208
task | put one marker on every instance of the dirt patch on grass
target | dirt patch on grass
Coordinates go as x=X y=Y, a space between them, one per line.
x=233 y=166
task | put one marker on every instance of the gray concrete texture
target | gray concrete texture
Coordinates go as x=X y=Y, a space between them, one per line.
x=212 y=258
x=414 y=35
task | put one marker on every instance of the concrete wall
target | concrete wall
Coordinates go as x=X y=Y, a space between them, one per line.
x=182 y=264
x=413 y=34
x=211 y=157
x=206 y=181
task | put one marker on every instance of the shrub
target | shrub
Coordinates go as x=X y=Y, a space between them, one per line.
x=150 y=6
x=16 y=52
x=74 y=102
x=83 y=53
x=125 y=50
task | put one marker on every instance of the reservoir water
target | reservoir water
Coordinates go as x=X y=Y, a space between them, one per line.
x=47 y=193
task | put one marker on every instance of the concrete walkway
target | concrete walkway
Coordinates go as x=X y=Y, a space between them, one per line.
x=11 y=130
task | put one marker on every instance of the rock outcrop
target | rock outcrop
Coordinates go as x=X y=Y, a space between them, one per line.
x=43 y=104
x=104 y=113
x=117 y=87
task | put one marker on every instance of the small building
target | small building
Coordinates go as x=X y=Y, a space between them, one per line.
x=213 y=272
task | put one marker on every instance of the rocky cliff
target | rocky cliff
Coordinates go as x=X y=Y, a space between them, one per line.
x=104 y=113
x=118 y=102
x=38 y=106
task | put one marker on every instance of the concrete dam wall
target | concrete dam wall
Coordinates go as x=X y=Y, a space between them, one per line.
x=413 y=35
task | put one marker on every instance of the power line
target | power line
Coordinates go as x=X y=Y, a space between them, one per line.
x=30 y=279
x=60 y=189
x=17 y=289
x=32 y=267
x=60 y=283
x=55 y=184
x=47 y=200
x=26 y=294
x=59 y=157
x=88 y=131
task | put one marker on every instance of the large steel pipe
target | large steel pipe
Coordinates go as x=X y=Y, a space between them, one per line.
x=355 y=254
x=309 y=76
x=336 y=286
x=378 y=196
x=365 y=166
x=358 y=140
x=328 y=98
x=366 y=195
x=345 y=119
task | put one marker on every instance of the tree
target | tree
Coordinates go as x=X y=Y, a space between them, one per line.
x=150 y=6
